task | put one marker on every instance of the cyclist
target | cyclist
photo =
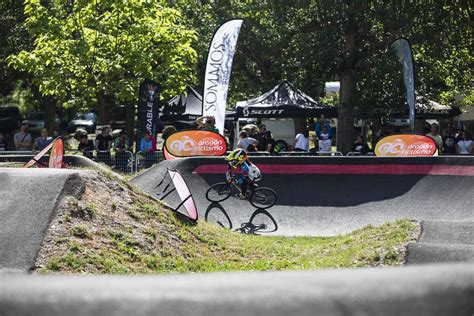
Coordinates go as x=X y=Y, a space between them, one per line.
x=250 y=172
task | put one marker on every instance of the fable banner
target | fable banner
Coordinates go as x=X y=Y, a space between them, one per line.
x=218 y=70
x=148 y=108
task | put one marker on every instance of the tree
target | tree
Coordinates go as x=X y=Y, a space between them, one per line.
x=100 y=51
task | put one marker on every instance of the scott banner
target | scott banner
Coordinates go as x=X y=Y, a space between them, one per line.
x=196 y=143
x=218 y=69
x=148 y=108
x=405 y=145
x=402 y=49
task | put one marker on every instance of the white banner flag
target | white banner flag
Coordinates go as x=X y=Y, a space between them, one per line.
x=218 y=69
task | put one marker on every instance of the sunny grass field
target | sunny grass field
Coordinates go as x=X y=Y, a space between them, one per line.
x=101 y=234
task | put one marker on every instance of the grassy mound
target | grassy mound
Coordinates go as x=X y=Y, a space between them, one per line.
x=116 y=229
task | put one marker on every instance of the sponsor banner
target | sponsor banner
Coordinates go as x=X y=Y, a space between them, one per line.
x=57 y=154
x=148 y=108
x=195 y=143
x=167 y=155
x=404 y=53
x=218 y=70
x=39 y=155
x=405 y=145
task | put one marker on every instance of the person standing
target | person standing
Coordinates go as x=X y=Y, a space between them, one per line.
x=245 y=141
x=260 y=137
x=121 y=146
x=42 y=141
x=324 y=142
x=302 y=141
x=86 y=146
x=360 y=146
x=436 y=136
x=3 y=143
x=449 y=140
x=103 y=143
x=319 y=127
x=22 y=139
x=207 y=123
x=269 y=142
x=148 y=148
x=465 y=146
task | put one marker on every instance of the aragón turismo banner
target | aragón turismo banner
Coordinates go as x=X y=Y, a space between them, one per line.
x=405 y=145
x=57 y=154
x=195 y=143
x=218 y=70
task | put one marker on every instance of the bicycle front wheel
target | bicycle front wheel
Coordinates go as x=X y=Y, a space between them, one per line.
x=263 y=197
x=219 y=192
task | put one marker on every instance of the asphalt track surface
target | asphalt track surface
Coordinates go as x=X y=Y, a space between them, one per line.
x=28 y=200
x=415 y=290
x=324 y=196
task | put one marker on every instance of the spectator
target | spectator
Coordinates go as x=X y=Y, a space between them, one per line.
x=22 y=139
x=3 y=143
x=449 y=140
x=436 y=136
x=86 y=146
x=148 y=148
x=324 y=143
x=121 y=146
x=260 y=137
x=319 y=127
x=465 y=146
x=103 y=143
x=245 y=141
x=302 y=141
x=360 y=145
x=207 y=123
x=269 y=142
x=42 y=141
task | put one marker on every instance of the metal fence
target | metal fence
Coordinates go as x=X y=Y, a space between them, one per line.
x=145 y=160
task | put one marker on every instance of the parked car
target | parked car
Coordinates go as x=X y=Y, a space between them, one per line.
x=9 y=118
x=82 y=120
x=35 y=122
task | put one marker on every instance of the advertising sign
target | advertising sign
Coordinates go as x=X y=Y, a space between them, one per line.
x=196 y=143
x=57 y=154
x=148 y=108
x=405 y=145
x=218 y=70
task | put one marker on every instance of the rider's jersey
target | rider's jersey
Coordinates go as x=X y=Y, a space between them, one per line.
x=249 y=171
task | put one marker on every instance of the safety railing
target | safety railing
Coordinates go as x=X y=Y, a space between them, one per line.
x=120 y=160
x=145 y=160
x=356 y=153
x=15 y=152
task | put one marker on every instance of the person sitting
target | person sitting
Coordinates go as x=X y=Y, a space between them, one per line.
x=42 y=141
x=121 y=146
x=207 y=123
x=148 y=148
x=103 y=144
x=86 y=146
x=250 y=173
x=302 y=141
x=245 y=141
x=360 y=146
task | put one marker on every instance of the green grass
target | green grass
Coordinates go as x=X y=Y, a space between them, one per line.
x=144 y=237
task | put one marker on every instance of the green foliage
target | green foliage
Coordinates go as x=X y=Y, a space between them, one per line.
x=83 y=48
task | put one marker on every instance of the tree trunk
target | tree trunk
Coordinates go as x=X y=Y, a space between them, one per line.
x=130 y=121
x=103 y=108
x=49 y=107
x=345 y=121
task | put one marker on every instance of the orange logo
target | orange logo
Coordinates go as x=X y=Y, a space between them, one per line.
x=56 y=155
x=405 y=145
x=196 y=143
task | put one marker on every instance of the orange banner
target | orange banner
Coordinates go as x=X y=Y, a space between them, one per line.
x=57 y=154
x=405 y=145
x=196 y=143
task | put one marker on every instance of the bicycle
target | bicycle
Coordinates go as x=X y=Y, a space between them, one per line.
x=259 y=197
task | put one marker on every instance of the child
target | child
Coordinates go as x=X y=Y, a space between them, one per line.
x=250 y=172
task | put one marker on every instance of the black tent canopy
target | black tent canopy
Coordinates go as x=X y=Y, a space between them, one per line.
x=284 y=100
x=186 y=107
x=424 y=109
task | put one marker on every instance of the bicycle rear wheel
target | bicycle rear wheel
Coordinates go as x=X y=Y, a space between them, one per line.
x=219 y=192
x=263 y=197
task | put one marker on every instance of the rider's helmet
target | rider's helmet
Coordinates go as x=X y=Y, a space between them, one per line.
x=236 y=158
